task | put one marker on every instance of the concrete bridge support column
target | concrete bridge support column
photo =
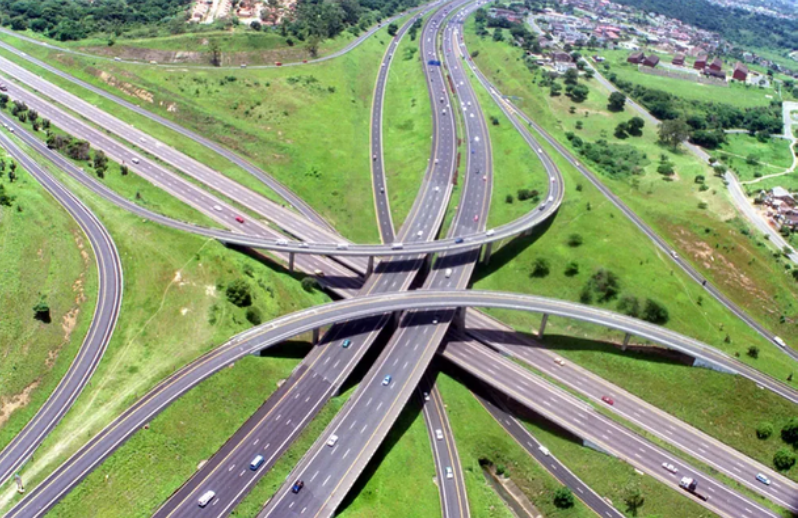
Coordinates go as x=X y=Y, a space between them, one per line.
x=291 y=261
x=459 y=319
x=316 y=333
x=543 y=322
x=487 y=249
x=626 y=339
x=370 y=267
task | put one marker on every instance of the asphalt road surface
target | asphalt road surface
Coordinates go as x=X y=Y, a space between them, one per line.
x=106 y=312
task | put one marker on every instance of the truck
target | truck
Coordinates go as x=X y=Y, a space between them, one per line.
x=691 y=485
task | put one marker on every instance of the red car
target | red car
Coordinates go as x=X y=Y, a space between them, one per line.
x=239 y=219
x=608 y=400
x=476 y=217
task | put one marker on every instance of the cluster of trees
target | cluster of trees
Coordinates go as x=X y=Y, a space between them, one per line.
x=705 y=120
x=67 y=20
x=614 y=159
x=784 y=458
x=737 y=25
x=633 y=127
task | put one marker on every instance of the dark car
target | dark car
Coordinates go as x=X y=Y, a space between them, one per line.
x=297 y=487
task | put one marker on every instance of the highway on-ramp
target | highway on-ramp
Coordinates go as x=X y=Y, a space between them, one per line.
x=106 y=312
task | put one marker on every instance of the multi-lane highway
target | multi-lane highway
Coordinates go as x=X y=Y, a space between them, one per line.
x=106 y=312
x=493 y=404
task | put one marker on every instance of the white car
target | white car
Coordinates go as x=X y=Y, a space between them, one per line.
x=670 y=467
x=439 y=434
x=342 y=246
x=282 y=242
x=491 y=232
x=674 y=255
x=545 y=451
x=449 y=472
x=217 y=208
x=559 y=361
x=206 y=498
x=332 y=440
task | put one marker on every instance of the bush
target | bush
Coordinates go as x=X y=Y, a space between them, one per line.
x=540 y=268
x=753 y=352
x=665 y=168
x=789 y=433
x=563 y=498
x=655 y=312
x=309 y=284
x=572 y=268
x=629 y=305
x=574 y=240
x=784 y=459
x=764 y=430
x=41 y=311
x=254 y=317
x=508 y=198
x=238 y=293
x=606 y=284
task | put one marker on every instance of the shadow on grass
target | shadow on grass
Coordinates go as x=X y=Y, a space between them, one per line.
x=511 y=250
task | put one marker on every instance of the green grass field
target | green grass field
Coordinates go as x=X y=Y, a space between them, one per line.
x=772 y=157
x=266 y=115
x=736 y=94
x=174 y=309
x=701 y=224
x=407 y=129
x=44 y=252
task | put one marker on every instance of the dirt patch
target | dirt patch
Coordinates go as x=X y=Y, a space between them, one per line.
x=127 y=88
x=11 y=404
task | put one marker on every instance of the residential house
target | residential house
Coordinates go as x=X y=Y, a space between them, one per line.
x=636 y=57
x=651 y=61
x=700 y=62
x=678 y=60
x=716 y=65
x=561 y=57
x=740 y=72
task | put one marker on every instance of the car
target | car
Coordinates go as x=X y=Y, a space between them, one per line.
x=374 y=157
x=240 y=219
x=342 y=246
x=545 y=451
x=491 y=232
x=485 y=178
x=447 y=273
x=243 y=65
x=439 y=434
x=304 y=245
x=135 y=160
x=420 y=233
x=608 y=400
x=256 y=462
x=277 y=63
x=779 y=341
x=670 y=467
x=458 y=240
x=332 y=440
x=435 y=321
x=206 y=498
x=153 y=62
x=318 y=273
x=217 y=208
x=437 y=160
x=397 y=246
x=387 y=380
x=444 y=111
x=346 y=343
x=117 y=58
x=297 y=487
x=476 y=217
x=449 y=472
x=674 y=255
x=559 y=361
x=437 y=188
x=762 y=478
x=11 y=130
x=383 y=64
x=426 y=396
x=282 y=242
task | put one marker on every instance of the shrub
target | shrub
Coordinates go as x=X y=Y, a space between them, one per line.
x=789 y=433
x=563 y=498
x=508 y=198
x=41 y=311
x=606 y=284
x=764 y=430
x=574 y=240
x=254 y=317
x=629 y=305
x=784 y=459
x=309 y=284
x=541 y=267
x=238 y=293
x=655 y=312
x=572 y=268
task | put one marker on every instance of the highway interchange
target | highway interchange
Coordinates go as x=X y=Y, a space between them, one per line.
x=372 y=308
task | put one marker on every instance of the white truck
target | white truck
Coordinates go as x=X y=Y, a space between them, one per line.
x=691 y=485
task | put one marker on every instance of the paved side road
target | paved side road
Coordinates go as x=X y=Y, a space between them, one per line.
x=109 y=301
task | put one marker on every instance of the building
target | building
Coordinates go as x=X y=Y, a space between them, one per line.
x=678 y=60
x=561 y=57
x=740 y=72
x=651 y=61
x=636 y=57
x=700 y=62
x=783 y=196
x=716 y=65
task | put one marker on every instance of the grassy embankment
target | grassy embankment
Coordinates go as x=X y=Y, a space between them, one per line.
x=735 y=94
x=479 y=436
x=174 y=309
x=610 y=241
x=269 y=116
x=407 y=128
x=45 y=253
x=772 y=157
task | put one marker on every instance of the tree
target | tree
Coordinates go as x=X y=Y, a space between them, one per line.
x=255 y=25
x=33 y=115
x=41 y=311
x=753 y=352
x=508 y=198
x=571 y=76
x=574 y=240
x=313 y=45
x=629 y=305
x=673 y=132
x=665 y=168
x=3 y=101
x=620 y=131
x=633 y=498
x=616 y=102
x=216 y=53
x=571 y=269
x=541 y=267
x=498 y=35
x=309 y=284
x=238 y=293
x=578 y=93
x=635 y=126
x=254 y=316
x=5 y=199
x=784 y=459
x=46 y=124
x=393 y=29
x=124 y=169
x=563 y=498
x=789 y=433
x=606 y=284
x=555 y=89
x=655 y=312
x=764 y=430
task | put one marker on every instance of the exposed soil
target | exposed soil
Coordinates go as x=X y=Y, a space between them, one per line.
x=11 y=404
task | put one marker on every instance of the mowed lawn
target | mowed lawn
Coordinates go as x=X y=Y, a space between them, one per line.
x=736 y=94
x=701 y=224
x=174 y=309
x=406 y=128
x=308 y=126
x=44 y=253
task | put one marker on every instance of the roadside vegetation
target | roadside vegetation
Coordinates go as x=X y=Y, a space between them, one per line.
x=176 y=306
x=46 y=264
x=751 y=159
x=263 y=115
x=407 y=128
